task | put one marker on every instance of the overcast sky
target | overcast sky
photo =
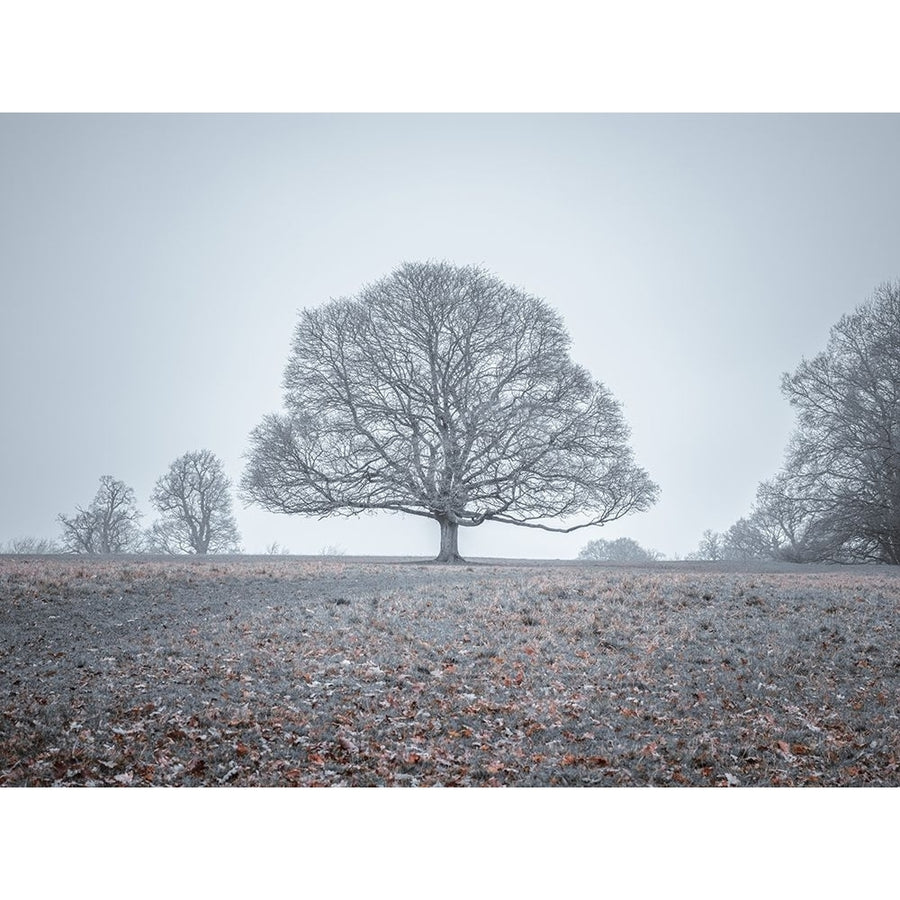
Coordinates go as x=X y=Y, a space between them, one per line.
x=152 y=267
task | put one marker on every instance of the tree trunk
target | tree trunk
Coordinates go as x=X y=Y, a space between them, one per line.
x=449 y=542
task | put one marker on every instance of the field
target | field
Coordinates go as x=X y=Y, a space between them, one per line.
x=301 y=671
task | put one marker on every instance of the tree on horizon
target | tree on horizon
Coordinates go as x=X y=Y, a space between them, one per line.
x=838 y=496
x=109 y=525
x=440 y=391
x=194 y=502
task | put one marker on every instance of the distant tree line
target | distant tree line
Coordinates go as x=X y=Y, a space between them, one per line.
x=620 y=550
x=30 y=545
x=837 y=498
x=195 y=514
x=442 y=392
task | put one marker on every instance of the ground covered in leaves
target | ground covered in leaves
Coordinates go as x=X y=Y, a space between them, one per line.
x=279 y=671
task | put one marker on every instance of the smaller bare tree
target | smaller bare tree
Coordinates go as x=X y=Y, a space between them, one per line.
x=788 y=522
x=194 y=503
x=111 y=524
x=711 y=547
x=275 y=549
x=620 y=550
x=31 y=546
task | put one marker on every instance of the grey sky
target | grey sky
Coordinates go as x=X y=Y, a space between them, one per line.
x=151 y=268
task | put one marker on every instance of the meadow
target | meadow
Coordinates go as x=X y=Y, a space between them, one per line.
x=292 y=671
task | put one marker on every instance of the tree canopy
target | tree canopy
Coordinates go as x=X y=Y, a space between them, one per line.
x=620 y=550
x=194 y=502
x=440 y=391
x=111 y=524
x=838 y=496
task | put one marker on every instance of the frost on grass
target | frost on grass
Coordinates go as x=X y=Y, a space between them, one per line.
x=325 y=672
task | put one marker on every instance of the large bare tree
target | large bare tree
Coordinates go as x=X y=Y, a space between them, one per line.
x=440 y=391
x=194 y=502
x=109 y=525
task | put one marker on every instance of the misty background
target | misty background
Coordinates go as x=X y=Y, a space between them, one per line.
x=152 y=267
